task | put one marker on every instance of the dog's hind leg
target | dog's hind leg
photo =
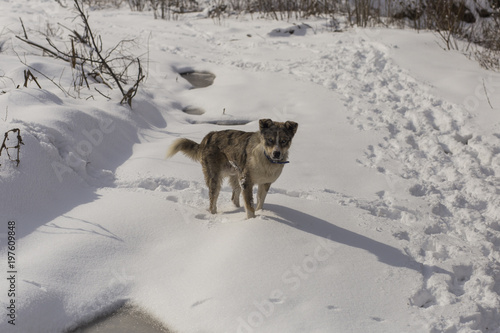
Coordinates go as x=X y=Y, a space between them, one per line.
x=261 y=195
x=213 y=180
x=235 y=184
x=213 y=193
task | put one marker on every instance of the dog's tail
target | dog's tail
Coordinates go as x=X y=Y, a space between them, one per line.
x=187 y=147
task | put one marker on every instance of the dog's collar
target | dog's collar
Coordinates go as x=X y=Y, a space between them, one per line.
x=273 y=161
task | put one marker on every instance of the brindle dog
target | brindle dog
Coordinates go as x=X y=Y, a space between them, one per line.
x=247 y=158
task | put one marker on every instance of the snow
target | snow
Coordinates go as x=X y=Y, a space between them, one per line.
x=385 y=220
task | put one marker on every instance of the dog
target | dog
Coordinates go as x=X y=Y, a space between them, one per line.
x=247 y=158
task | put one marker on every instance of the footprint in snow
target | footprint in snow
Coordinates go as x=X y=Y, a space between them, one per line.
x=276 y=300
x=423 y=299
x=418 y=190
x=402 y=235
x=172 y=198
x=378 y=319
x=36 y=284
x=461 y=274
x=333 y=308
x=202 y=217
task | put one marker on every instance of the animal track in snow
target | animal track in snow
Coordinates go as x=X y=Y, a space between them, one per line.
x=172 y=198
x=461 y=274
x=276 y=300
x=423 y=299
x=403 y=235
x=164 y=184
x=377 y=319
x=333 y=308
x=417 y=190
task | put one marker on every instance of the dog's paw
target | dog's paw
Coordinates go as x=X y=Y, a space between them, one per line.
x=251 y=214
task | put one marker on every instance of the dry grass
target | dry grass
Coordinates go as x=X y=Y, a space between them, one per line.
x=452 y=20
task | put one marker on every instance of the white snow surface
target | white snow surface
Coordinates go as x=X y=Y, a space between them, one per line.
x=385 y=220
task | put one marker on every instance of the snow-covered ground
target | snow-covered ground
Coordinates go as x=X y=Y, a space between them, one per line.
x=385 y=220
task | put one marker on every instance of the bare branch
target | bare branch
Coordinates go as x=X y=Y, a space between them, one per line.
x=45 y=76
x=86 y=56
x=133 y=91
x=96 y=47
x=18 y=146
x=24 y=29
x=486 y=93
x=28 y=76
x=54 y=54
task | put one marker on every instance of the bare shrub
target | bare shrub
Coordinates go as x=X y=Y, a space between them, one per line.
x=137 y=5
x=88 y=59
x=363 y=12
x=452 y=20
x=443 y=17
x=487 y=50
x=165 y=9
x=17 y=147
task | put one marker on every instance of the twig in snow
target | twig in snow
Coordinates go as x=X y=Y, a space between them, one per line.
x=18 y=146
x=45 y=76
x=28 y=76
x=487 y=97
x=24 y=29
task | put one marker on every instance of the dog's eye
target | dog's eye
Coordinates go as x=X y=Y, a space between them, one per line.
x=284 y=142
x=270 y=141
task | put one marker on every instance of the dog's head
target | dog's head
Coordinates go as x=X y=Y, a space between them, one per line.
x=277 y=138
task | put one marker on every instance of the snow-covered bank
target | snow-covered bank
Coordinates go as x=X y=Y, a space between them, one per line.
x=386 y=219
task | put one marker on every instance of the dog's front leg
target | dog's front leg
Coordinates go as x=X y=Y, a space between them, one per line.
x=247 y=187
x=261 y=195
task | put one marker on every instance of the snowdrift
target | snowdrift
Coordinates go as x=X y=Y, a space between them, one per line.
x=386 y=219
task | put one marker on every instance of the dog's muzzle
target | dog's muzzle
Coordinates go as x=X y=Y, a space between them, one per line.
x=275 y=159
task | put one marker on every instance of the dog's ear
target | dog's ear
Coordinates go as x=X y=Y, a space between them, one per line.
x=265 y=123
x=291 y=126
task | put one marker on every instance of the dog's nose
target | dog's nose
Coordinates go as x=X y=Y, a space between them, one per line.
x=276 y=154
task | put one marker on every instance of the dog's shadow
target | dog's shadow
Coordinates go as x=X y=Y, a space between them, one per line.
x=327 y=230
